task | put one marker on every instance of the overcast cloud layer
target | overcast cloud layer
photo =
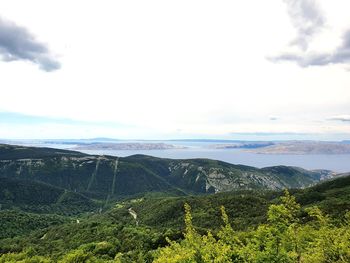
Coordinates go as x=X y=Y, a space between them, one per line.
x=17 y=43
x=175 y=69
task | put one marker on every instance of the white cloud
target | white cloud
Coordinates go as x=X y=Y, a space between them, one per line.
x=194 y=66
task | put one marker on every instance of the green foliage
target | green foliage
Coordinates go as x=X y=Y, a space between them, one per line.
x=282 y=239
x=38 y=197
x=27 y=256
x=17 y=223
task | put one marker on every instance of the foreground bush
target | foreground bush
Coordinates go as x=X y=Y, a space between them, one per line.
x=283 y=239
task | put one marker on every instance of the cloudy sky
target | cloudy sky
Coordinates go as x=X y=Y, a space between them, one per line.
x=277 y=69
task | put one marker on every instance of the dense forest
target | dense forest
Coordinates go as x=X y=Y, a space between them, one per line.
x=310 y=225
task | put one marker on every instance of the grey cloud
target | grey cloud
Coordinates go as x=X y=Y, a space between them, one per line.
x=273 y=118
x=345 y=118
x=340 y=55
x=17 y=43
x=307 y=18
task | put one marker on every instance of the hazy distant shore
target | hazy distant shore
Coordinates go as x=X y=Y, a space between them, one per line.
x=298 y=147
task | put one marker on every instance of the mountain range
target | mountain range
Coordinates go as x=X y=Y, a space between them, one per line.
x=105 y=177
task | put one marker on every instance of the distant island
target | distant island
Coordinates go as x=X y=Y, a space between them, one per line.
x=304 y=147
x=241 y=145
x=126 y=146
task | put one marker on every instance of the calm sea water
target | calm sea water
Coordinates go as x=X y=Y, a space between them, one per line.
x=336 y=162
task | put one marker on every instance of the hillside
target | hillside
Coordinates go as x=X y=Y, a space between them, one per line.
x=15 y=152
x=33 y=196
x=106 y=177
x=102 y=236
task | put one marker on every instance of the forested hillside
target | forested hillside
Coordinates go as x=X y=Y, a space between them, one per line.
x=63 y=206
x=258 y=227
x=107 y=177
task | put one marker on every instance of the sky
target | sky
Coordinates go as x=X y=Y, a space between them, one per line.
x=277 y=69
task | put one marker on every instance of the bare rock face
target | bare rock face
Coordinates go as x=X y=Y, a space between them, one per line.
x=217 y=176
